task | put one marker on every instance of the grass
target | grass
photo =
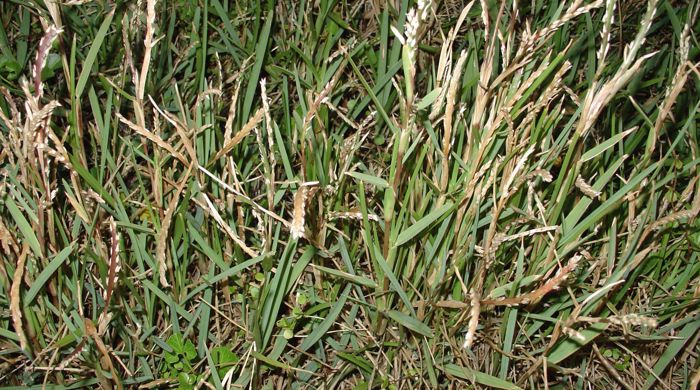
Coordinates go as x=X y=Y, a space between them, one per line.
x=214 y=194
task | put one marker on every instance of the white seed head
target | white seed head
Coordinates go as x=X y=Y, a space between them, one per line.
x=633 y=320
x=411 y=33
x=586 y=188
x=424 y=9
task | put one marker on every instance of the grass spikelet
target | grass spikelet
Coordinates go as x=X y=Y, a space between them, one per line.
x=114 y=264
x=455 y=81
x=297 y=227
x=552 y=284
x=240 y=135
x=6 y=241
x=444 y=65
x=633 y=320
x=42 y=54
x=411 y=33
x=352 y=215
x=226 y=228
x=608 y=20
x=474 y=313
x=485 y=19
x=142 y=131
x=15 y=305
x=586 y=188
x=161 y=243
x=148 y=44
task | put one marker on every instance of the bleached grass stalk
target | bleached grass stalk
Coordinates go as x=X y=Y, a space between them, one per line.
x=243 y=196
x=485 y=19
x=444 y=65
x=553 y=284
x=228 y=127
x=142 y=131
x=15 y=305
x=409 y=41
x=240 y=135
x=575 y=9
x=447 y=138
x=161 y=242
x=270 y=142
x=309 y=117
x=608 y=20
x=677 y=84
x=232 y=234
x=114 y=264
x=506 y=185
x=529 y=233
x=148 y=45
x=341 y=114
x=473 y=319
x=598 y=98
x=352 y=215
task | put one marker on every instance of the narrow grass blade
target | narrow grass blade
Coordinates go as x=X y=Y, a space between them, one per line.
x=92 y=54
x=410 y=322
x=422 y=224
x=41 y=280
x=321 y=329
x=24 y=227
x=478 y=377
x=672 y=351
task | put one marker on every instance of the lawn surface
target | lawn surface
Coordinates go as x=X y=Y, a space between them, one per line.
x=350 y=194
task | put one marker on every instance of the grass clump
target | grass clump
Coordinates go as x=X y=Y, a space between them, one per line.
x=349 y=194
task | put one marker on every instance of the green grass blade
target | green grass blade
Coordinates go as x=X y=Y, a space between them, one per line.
x=92 y=54
x=421 y=225
x=321 y=329
x=672 y=351
x=479 y=377
x=41 y=280
x=410 y=322
x=24 y=227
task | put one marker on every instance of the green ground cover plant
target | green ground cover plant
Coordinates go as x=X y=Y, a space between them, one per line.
x=349 y=194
